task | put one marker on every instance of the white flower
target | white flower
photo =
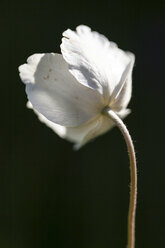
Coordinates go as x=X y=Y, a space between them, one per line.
x=69 y=92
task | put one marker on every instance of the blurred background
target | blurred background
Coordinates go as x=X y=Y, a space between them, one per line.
x=51 y=196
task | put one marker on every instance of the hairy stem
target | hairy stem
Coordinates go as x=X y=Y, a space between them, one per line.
x=133 y=175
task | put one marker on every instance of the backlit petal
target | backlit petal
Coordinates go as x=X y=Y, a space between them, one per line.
x=96 y=128
x=84 y=133
x=124 y=89
x=93 y=59
x=58 y=129
x=56 y=94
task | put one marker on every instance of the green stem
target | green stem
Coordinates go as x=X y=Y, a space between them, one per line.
x=133 y=175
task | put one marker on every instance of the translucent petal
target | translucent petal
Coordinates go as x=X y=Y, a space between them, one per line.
x=84 y=133
x=94 y=129
x=121 y=97
x=94 y=60
x=58 y=129
x=79 y=135
x=56 y=94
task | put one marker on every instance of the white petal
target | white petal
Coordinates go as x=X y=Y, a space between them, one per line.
x=93 y=129
x=93 y=60
x=83 y=134
x=123 y=113
x=28 y=70
x=123 y=92
x=56 y=94
x=60 y=130
x=96 y=128
x=79 y=135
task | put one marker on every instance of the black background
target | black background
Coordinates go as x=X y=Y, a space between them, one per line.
x=51 y=196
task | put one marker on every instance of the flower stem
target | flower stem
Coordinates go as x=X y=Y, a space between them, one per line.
x=133 y=175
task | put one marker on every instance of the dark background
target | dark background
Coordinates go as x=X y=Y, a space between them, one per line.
x=51 y=196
